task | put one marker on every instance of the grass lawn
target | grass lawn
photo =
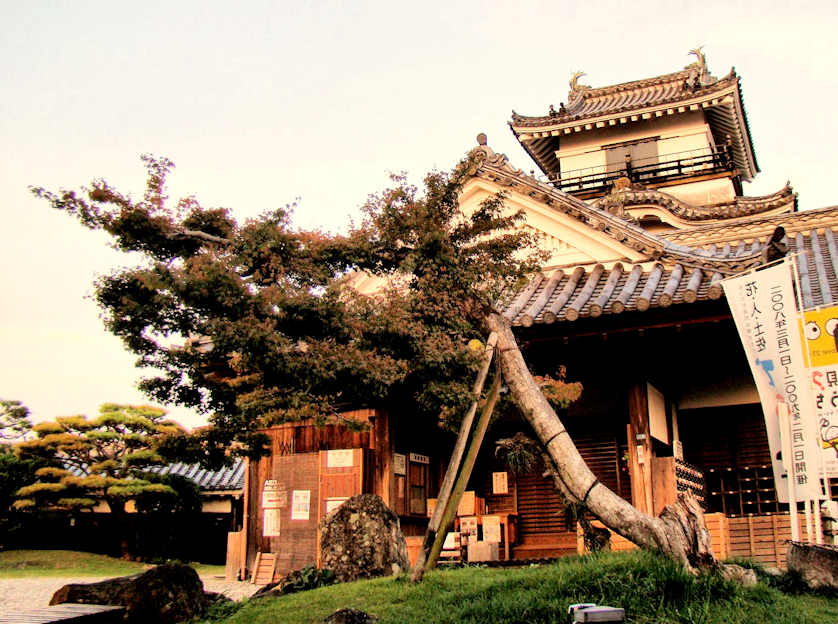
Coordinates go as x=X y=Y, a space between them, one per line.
x=28 y=563
x=649 y=588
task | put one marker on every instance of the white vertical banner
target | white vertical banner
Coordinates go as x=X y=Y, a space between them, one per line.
x=763 y=307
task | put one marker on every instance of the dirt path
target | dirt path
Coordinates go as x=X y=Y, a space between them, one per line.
x=27 y=593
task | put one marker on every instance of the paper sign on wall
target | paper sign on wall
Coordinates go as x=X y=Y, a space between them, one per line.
x=270 y=522
x=416 y=458
x=339 y=459
x=300 y=504
x=500 y=483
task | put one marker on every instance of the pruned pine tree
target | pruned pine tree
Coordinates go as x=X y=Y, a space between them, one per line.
x=267 y=328
x=106 y=459
x=14 y=420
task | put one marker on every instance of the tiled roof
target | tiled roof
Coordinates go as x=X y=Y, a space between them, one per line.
x=733 y=209
x=495 y=167
x=587 y=102
x=227 y=478
x=591 y=291
x=708 y=236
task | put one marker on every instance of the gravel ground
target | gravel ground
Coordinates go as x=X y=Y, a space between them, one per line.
x=28 y=593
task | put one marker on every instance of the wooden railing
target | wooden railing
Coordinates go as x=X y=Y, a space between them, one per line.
x=666 y=168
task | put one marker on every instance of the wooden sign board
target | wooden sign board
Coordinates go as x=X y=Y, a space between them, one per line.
x=339 y=459
x=491 y=529
x=657 y=414
x=335 y=502
x=399 y=464
x=468 y=528
x=500 y=483
x=274 y=495
x=270 y=522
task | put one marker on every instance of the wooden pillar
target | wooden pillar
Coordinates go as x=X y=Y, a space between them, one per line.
x=640 y=448
x=242 y=563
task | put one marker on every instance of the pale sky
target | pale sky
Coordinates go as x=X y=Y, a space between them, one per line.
x=259 y=103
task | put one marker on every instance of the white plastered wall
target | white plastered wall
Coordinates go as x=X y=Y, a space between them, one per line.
x=704 y=192
x=684 y=132
x=568 y=241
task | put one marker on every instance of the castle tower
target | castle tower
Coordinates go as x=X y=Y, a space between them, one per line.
x=685 y=133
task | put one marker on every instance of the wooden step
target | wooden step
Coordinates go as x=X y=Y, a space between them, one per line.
x=542 y=551
x=263 y=568
x=545 y=545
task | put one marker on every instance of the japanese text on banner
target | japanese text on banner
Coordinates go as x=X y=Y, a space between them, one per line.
x=763 y=308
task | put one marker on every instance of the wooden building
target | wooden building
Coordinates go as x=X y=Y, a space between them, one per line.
x=312 y=469
x=640 y=207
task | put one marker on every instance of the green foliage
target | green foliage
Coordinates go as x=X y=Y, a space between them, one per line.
x=558 y=392
x=220 y=610
x=169 y=494
x=305 y=579
x=14 y=420
x=14 y=474
x=99 y=459
x=270 y=326
x=520 y=453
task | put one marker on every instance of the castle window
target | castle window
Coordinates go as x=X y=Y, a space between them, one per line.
x=641 y=153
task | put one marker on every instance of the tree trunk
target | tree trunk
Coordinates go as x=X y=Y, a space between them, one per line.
x=120 y=527
x=679 y=531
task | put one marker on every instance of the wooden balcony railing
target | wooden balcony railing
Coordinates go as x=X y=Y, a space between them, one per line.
x=666 y=168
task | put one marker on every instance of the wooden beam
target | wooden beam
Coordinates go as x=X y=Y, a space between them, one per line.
x=640 y=448
x=424 y=559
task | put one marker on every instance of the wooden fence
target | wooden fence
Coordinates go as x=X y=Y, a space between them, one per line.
x=762 y=538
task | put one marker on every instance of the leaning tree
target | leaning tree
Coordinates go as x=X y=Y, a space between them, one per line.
x=257 y=322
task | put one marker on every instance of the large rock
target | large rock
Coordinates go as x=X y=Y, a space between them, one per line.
x=817 y=565
x=166 y=594
x=361 y=539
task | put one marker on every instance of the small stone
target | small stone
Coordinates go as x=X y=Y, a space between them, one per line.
x=350 y=616
x=744 y=576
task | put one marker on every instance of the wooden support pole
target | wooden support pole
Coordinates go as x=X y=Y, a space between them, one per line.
x=785 y=443
x=454 y=462
x=465 y=473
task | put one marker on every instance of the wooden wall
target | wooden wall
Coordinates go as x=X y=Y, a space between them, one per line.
x=296 y=545
x=298 y=462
